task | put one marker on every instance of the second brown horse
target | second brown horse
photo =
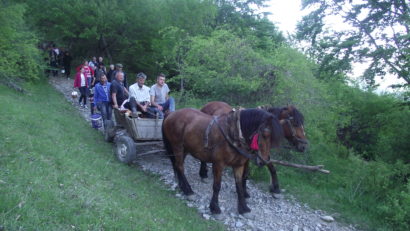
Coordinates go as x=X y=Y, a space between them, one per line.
x=291 y=121
x=212 y=139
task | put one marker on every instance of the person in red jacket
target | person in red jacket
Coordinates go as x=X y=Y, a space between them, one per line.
x=81 y=83
x=88 y=72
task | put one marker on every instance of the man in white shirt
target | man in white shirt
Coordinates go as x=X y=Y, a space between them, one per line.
x=141 y=94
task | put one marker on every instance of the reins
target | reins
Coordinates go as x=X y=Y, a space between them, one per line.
x=237 y=149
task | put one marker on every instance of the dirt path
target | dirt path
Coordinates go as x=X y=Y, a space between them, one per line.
x=267 y=213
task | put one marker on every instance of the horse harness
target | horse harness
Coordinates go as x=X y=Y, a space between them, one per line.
x=292 y=129
x=237 y=137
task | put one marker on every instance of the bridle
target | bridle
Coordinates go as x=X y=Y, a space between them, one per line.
x=293 y=131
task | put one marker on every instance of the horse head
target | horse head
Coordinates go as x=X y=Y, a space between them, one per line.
x=292 y=123
x=262 y=131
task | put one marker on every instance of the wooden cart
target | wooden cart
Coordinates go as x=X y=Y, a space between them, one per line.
x=130 y=134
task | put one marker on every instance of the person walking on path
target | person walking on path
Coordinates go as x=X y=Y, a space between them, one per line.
x=88 y=72
x=81 y=83
x=67 y=63
x=110 y=74
x=102 y=98
x=98 y=73
x=53 y=56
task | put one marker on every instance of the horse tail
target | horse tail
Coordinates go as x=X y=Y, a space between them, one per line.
x=167 y=145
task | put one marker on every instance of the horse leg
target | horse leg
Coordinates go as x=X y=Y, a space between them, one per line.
x=203 y=171
x=242 y=207
x=245 y=179
x=214 y=205
x=185 y=187
x=274 y=188
x=178 y=164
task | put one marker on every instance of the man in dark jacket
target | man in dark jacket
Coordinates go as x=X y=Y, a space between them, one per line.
x=67 y=63
x=110 y=74
x=119 y=68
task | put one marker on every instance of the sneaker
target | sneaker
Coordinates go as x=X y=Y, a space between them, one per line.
x=81 y=104
x=85 y=106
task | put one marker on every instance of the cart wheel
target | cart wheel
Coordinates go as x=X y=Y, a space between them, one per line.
x=125 y=149
x=109 y=131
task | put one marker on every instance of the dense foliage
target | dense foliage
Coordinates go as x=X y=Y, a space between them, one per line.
x=224 y=50
x=378 y=33
x=19 y=56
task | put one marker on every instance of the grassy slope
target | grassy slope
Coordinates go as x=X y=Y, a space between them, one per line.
x=56 y=173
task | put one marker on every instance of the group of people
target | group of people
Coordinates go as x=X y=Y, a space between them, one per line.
x=58 y=58
x=110 y=90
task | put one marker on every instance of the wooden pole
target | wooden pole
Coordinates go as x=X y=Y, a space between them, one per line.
x=318 y=168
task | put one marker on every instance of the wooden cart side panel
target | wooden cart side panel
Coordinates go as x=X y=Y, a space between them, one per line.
x=144 y=129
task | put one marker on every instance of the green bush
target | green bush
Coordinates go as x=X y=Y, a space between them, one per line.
x=225 y=67
x=19 y=56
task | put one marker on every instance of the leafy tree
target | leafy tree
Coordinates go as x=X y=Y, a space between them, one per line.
x=19 y=56
x=122 y=29
x=225 y=67
x=379 y=34
x=242 y=18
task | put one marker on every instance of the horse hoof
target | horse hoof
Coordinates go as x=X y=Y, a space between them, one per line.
x=190 y=197
x=277 y=196
x=218 y=216
x=275 y=190
x=248 y=215
x=205 y=180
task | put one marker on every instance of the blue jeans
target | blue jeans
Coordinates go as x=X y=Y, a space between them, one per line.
x=168 y=105
x=106 y=110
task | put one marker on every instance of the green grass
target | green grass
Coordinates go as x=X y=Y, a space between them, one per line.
x=348 y=193
x=57 y=173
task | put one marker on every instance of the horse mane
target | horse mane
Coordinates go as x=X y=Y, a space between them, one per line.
x=251 y=119
x=297 y=116
x=295 y=113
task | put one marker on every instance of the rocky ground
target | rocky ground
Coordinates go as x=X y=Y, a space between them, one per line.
x=267 y=213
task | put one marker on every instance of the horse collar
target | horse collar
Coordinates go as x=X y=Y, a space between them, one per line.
x=235 y=147
x=208 y=130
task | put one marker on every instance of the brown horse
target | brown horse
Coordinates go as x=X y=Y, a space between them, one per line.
x=215 y=140
x=292 y=124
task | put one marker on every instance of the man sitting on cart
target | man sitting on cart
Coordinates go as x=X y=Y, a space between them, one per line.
x=140 y=93
x=160 y=98
x=119 y=95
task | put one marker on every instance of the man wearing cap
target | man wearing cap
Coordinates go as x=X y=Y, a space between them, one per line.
x=160 y=97
x=140 y=93
x=119 y=68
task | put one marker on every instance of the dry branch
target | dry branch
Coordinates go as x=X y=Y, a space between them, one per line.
x=318 y=168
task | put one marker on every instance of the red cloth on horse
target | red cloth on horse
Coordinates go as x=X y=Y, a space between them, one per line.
x=254 y=143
